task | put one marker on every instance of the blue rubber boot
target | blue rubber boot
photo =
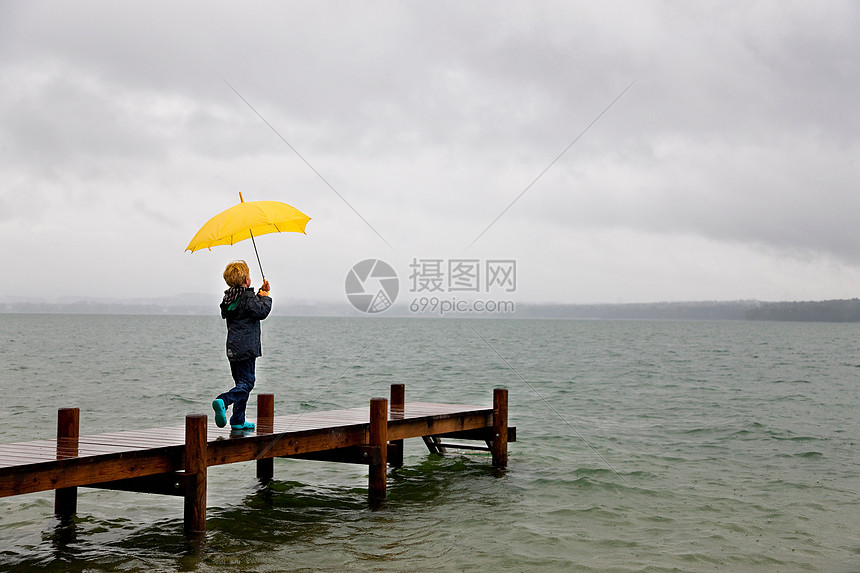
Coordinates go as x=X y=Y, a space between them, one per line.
x=245 y=426
x=220 y=412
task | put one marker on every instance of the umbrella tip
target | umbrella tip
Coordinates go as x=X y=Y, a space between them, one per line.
x=241 y=199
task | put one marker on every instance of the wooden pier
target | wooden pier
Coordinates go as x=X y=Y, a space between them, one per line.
x=174 y=461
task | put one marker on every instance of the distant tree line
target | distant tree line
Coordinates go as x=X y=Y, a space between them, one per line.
x=808 y=311
x=699 y=310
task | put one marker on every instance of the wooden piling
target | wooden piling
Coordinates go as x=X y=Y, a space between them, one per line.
x=398 y=406
x=265 y=425
x=500 y=427
x=195 y=470
x=378 y=440
x=68 y=432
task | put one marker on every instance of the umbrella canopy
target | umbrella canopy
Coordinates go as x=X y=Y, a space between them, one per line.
x=248 y=220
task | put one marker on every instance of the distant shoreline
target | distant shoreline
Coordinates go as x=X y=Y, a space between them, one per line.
x=840 y=310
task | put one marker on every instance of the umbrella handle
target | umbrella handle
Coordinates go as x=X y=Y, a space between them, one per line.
x=258 y=255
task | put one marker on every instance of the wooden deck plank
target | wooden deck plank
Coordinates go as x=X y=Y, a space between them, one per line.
x=84 y=448
x=55 y=452
x=154 y=438
x=13 y=461
x=134 y=444
x=36 y=452
x=157 y=437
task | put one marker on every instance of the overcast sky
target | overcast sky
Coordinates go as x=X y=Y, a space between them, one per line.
x=730 y=168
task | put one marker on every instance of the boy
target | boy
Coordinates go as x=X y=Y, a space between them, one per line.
x=243 y=311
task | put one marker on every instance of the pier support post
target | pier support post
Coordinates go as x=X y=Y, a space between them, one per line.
x=195 y=470
x=500 y=427
x=398 y=405
x=265 y=425
x=68 y=432
x=378 y=439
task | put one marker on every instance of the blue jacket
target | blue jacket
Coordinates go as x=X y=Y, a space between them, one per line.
x=243 y=315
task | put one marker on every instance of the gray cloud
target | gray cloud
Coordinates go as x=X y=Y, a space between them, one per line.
x=741 y=128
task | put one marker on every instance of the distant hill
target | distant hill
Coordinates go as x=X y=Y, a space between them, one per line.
x=702 y=310
x=841 y=310
x=184 y=304
x=198 y=304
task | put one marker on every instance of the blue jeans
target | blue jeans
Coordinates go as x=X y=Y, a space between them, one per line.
x=243 y=375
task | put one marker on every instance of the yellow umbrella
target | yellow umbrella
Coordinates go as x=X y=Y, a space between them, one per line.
x=247 y=220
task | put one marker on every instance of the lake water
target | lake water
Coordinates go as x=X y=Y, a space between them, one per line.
x=642 y=446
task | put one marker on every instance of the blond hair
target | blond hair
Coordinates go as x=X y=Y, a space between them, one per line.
x=235 y=273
